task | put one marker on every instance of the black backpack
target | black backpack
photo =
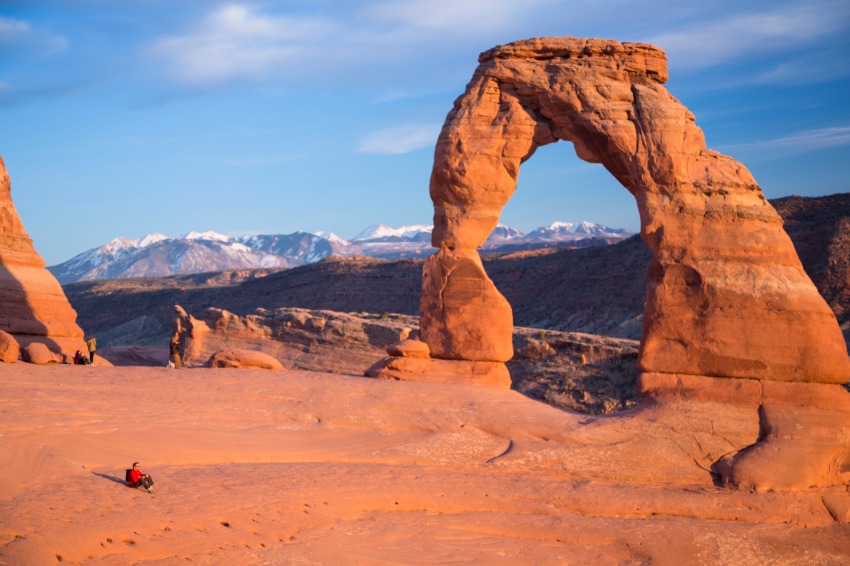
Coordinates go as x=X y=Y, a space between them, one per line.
x=127 y=476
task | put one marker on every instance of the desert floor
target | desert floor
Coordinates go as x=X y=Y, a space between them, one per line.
x=293 y=467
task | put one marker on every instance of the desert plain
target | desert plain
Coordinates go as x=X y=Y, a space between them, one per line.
x=296 y=467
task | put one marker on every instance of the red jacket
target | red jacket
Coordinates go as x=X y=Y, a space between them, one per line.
x=134 y=475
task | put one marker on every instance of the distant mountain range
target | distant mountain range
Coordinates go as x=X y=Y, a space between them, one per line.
x=156 y=255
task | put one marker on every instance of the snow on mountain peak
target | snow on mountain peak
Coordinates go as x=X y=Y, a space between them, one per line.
x=382 y=231
x=414 y=229
x=150 y=240
x=119 y=243
x=587 y=228
x=505 y=232
x=374 y=231
x=561 y=226
x=330 y=237
x=210 y=235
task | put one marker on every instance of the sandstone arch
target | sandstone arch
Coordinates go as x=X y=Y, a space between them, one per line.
x=727 y=296
x=726 y=293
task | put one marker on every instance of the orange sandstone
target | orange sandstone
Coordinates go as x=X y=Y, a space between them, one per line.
x=726 y=294
x=33 y=306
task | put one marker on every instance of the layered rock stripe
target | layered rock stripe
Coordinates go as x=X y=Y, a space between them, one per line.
x=726 y=293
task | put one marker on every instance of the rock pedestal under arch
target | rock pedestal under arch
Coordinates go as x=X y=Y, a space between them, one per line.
x=727 y=296
x=33 y=306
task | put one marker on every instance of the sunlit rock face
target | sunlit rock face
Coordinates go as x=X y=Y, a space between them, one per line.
x=33 y=306
x=726 y=293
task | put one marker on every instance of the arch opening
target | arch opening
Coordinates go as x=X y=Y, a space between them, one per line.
x=555 y=185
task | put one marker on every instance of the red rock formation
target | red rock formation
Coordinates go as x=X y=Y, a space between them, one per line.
x=458 y=280
x=726 y=293
x=38 y=353
x=409 y=348
x=10 y=351
x=300 y=338
x=804 y=436
x=33 y=307
x=243 y=359
x=410 y=360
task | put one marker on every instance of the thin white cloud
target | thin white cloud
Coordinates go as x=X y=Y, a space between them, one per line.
x=18 y=34
x=753 y=33
x=236 y=41
x=370 y=41
x=805 y=71
x=801 y=142
x=400 y=139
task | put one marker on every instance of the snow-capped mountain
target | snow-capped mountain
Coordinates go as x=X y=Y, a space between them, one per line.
x=298 y=248
x=567 y=231
x=158 y=255
x=211 y=236
x=330 y=237
x=503 y=235
x=381 y=232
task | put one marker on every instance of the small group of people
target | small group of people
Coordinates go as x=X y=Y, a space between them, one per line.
x=81 y=359
x=138 y=479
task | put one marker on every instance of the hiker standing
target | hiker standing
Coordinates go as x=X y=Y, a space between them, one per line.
x=175 y=353
x=92 y=344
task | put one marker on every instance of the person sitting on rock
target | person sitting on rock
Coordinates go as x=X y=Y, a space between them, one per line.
x=80 y=359
x=136 y=478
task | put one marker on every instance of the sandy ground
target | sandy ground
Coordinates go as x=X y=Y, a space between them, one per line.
x=292 y=467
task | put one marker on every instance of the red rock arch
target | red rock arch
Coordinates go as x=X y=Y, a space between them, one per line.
x=726 y=293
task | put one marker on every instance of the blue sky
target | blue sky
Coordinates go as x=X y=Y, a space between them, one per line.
x=123 y=118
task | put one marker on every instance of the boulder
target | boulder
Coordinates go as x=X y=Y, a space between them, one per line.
x=409 y=349
x=243 y=359
x=535 y=349
x=38 y=353
x=10 y=351
x=492 y=374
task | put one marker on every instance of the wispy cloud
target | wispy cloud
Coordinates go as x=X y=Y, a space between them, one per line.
x=236 y=41
x=805 y=71
x=367 y=42
x=400 y=139
x=20 y=35
x=801 y=142
x=743 y=35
